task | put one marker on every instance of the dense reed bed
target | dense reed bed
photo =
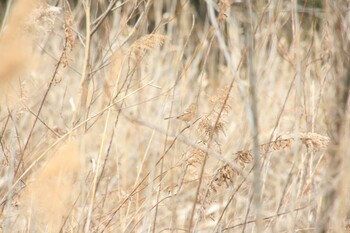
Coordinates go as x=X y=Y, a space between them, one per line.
x=174 y=116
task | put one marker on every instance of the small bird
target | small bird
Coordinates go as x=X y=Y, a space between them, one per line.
x=187 y=115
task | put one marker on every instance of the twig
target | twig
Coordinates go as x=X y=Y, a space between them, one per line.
x=42 y=155
x=41 y=106
x=257 y=186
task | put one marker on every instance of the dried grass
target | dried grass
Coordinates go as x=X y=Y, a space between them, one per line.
x=145 y=44
x=48 y=199
x=16 y=45
x=135 y=171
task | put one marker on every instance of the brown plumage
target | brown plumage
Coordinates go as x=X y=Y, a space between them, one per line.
x=187 y=115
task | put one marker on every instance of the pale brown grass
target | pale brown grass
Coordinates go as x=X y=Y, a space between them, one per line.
x=53 y=189
x=84 y=146
x=15 y=44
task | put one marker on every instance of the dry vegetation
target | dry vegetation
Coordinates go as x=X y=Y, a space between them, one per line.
x=92 y=135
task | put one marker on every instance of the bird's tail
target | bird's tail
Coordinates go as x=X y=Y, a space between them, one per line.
x=171 y=117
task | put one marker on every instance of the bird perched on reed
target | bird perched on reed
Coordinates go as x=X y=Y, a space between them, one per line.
x=187 y=115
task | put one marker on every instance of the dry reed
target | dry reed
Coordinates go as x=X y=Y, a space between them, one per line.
x=94 y=80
